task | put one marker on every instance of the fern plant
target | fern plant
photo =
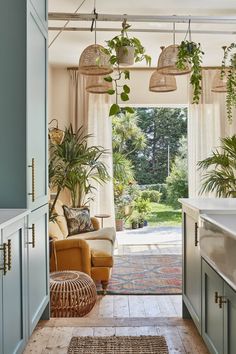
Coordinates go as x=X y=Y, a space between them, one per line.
x=220 y=167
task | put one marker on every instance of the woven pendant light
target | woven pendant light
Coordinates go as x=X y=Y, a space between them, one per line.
x=168 y=58
x=219 y=83
x=162 y=83
x=167 y=61
x=93 y=61
x=97 y=85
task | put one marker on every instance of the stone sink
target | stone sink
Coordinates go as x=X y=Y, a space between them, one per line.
x=217 y=239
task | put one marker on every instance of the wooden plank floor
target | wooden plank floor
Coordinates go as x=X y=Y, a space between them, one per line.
x=122 y=315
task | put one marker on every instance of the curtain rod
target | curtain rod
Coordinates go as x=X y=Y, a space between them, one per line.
x=152 y=68
x=61 y=16
x=140 y=30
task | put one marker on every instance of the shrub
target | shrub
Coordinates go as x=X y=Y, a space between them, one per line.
x=153 y=195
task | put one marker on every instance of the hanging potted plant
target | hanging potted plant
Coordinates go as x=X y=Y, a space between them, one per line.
x=230 y=74
x=190 y=53
x=123 y=51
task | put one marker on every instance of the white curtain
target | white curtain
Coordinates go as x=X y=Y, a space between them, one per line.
x=91 y=111
x=207 y=124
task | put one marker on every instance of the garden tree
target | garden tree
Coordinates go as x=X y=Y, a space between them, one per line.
x=127 y=136
x=162 y=127
x=177 y=181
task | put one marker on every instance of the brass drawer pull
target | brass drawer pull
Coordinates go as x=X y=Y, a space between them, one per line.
x=33 y=236
x=4 y=249
x=222 y=301
x=9 y=254
x=196 y=235
x=216 y=297
x=33 y=179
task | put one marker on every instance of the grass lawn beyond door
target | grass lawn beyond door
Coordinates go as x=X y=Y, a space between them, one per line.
x=163 y=215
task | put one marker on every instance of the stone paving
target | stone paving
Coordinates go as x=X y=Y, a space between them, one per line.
x=150 y=240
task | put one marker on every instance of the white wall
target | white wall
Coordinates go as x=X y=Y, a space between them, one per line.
x=58 y=96
x=58 y=91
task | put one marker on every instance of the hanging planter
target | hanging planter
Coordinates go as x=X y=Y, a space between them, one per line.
x=230 y=74
x=190 y=53
x=123 y=51
x=125 y=55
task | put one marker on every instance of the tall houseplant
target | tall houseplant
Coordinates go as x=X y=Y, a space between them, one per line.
x=75 y=165
x=220 y=167
x=123 y=50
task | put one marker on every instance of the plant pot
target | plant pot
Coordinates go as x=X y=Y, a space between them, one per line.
x=134 y=225
x=140 y=224
x=125 y=55
x=145 y=223
x=119 y=224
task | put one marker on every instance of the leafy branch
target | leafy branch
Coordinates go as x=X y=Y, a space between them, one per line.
x=190 y=53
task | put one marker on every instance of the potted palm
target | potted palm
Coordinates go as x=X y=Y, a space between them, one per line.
x=220 y=167
x=75 y=165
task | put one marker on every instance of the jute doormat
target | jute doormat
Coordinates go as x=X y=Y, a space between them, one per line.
x=118 y=345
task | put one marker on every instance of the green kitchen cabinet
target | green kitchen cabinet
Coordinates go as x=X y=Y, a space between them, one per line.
x=218 y=312
x=212 y=313
x=191 y=267
x=23 y=134
x=13 y=282
x=229 y=304
x=37 y=266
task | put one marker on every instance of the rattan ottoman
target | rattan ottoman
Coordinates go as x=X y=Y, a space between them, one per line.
x=72 y=294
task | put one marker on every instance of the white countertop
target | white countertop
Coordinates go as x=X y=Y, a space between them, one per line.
x=8 y=216
x=211 y=205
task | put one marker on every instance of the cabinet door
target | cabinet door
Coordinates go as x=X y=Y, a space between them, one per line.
x=1 y=279
x=14 y=296
x=212 y=314
x=41 y=9
x=36 y=112
x=229 y=320
x=192 y=269
x=37 y=265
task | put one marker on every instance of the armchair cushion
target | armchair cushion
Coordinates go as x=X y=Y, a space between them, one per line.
x=107 y=233
x=101 y=253
x=78 y=220
x=60 y=219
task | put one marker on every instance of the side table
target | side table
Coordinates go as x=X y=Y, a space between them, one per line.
x=102 y=216
x=72 y=294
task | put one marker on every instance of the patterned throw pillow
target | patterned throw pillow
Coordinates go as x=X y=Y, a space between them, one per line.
x=78 y=220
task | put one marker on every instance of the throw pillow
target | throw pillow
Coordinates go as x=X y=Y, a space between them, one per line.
x=78 y=220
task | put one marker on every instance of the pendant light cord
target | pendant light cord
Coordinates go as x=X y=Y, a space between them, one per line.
x=58 y=34
x=174 y=32
x=94 y=22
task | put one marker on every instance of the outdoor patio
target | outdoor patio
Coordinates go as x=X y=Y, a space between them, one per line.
x=149 y=240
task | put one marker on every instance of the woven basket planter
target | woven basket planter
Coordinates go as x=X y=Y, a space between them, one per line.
x=72 y=294
x=119 y=224
x=125 y=55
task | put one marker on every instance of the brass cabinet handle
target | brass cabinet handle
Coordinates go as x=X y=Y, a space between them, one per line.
x=33 y=236
x=196 y=235
x=32 y=166
x=4 y=249
x=222 y=301
x=216 y=297
x=9 y=254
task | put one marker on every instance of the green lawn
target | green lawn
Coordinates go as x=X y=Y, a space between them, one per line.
x=163 y=215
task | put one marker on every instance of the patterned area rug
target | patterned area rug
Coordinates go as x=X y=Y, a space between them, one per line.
x=146 y=275
x=118 y=345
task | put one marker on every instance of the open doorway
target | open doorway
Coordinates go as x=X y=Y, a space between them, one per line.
x=150 y=175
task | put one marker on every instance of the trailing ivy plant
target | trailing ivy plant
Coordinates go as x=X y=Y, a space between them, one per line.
x=230 y=74
x=113 y=45
x=190 y=53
